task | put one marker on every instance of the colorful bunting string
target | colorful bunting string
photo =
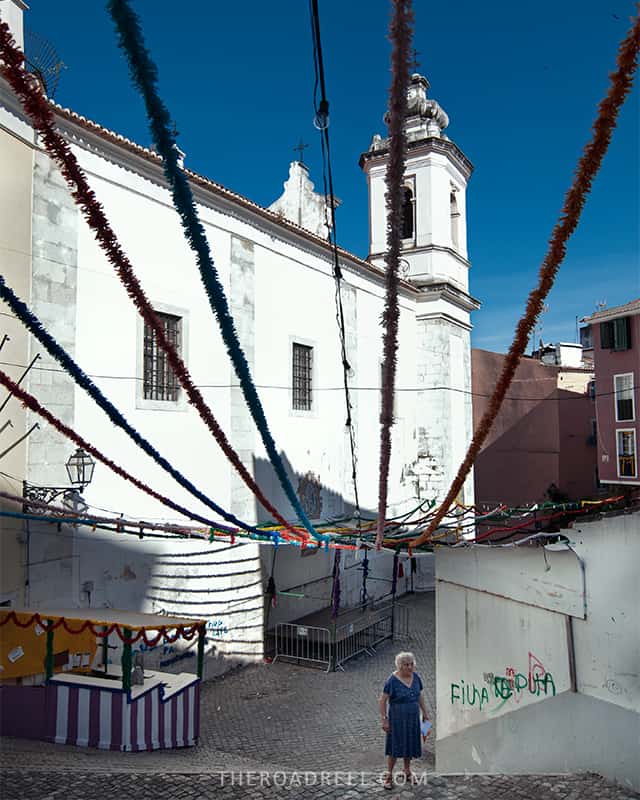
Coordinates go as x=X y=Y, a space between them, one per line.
x=587 y=169
x=144 y=74
x=400 y=35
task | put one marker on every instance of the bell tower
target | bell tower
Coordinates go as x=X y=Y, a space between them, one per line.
x=435 y=260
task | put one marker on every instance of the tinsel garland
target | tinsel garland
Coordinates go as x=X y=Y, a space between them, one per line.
x=588 y=166
x=31 y=403
x=119 y=522
x=394 y=573
x=39 y=111
x=335 y=589
x=144 y=74
x=33 y=324
x=365 y=575
x=400 y=32
x=181 y=631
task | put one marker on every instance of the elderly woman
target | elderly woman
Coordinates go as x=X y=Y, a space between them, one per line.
x=401 y=701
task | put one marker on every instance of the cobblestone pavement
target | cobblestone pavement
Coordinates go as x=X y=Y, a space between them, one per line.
x=66 y=785
x=280 y=730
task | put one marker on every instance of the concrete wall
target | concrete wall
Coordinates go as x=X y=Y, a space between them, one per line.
x=508 y=698
x=16 y=167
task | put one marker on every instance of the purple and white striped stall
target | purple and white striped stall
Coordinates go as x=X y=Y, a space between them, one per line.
x=92 y=712
x=164 y=713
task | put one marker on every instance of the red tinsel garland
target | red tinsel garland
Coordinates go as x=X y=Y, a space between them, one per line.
x=400 y=31
x=30 y=402
x=38 y=109
x=590 y=161
x=181 y=631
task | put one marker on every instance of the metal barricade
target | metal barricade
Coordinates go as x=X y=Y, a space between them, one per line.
x=333 y=646
x=304 y=643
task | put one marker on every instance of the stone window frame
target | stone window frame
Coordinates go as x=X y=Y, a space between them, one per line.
x=180 y=404
x=313 y=411
x=409 y=183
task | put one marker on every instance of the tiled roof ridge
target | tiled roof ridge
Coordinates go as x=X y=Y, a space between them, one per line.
x=615 y=311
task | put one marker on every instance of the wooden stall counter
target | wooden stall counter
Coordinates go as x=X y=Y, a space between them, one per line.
x=101 y=709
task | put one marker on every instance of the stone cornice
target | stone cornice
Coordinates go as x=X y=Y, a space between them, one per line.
x=433 y=144
x=431 y=248
x=446 y=291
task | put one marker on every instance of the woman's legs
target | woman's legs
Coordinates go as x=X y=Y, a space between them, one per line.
x=388 y=778
x=407 y=770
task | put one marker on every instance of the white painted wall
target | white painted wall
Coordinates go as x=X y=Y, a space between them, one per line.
x=505 y=612
x=11 y=13
x=290 y=298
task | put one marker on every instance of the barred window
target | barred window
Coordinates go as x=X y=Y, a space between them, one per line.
x=302 y=377
x=159 y=380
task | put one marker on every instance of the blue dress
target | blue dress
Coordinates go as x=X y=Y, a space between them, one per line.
x=403 y=738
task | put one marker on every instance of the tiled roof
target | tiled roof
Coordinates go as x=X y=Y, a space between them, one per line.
x=215 y=188
x=633 y=307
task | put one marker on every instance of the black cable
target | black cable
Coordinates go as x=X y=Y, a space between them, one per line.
x=339 y=388
x=322 y=117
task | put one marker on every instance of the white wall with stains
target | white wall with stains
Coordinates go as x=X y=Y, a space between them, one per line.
x=514 y=694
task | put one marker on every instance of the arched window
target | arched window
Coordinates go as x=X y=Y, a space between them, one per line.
x=455 y=220
x=407 y=213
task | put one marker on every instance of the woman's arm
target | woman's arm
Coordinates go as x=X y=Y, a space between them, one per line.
x=423 y=705
x=382 y=705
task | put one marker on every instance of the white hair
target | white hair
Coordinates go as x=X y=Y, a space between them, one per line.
x=403 y=658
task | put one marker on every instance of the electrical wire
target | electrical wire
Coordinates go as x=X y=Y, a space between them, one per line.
x=322 y=115
x=352 y=388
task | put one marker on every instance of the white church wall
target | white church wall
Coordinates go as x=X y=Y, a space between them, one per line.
x=281 y=289
x=108 y=344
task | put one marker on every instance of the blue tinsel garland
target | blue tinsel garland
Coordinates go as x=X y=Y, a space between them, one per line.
x=144 y=74
x=33 y=324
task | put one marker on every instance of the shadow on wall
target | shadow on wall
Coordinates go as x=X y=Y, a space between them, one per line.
x=318 y=500
x=533 y=448
x=81 y=568
x=303 y=578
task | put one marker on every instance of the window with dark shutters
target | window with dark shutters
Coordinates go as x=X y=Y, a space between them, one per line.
x=606 y=335
x=621 y=333
x=616 y=334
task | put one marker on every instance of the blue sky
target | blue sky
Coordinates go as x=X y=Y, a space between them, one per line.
x=520 y=82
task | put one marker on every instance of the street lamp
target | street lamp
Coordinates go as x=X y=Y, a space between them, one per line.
x=79 y=468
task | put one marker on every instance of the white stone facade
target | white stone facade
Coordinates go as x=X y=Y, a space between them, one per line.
x=279 y=280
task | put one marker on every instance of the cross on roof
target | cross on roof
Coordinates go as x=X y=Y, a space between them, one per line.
x=414 y=64
x=301 y=147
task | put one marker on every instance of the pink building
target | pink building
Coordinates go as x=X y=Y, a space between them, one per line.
x=614 y=335
x=541 y=445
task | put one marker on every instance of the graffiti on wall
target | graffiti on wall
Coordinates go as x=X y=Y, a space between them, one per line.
x=508 y=688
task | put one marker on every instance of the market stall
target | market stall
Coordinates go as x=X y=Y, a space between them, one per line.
x=57 y=683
